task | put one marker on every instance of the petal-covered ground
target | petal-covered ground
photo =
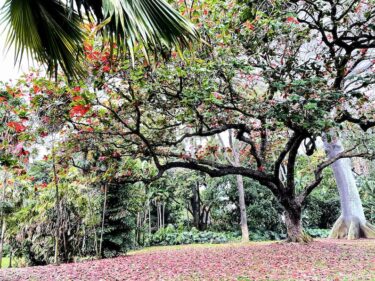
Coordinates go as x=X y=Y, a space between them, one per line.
x=321 y=260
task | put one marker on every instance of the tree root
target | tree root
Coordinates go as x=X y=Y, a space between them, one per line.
x=352 y=229
x=302 y=238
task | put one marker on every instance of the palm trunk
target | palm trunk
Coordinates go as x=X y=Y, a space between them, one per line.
x=352 y=223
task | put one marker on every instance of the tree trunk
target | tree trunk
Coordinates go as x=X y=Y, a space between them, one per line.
x=163 y=214
x=103 y=219
x=195 y=206
x=241 y=194
x=10 y=257
x=352 y=223
x=2 y=222
x=241 y=200
x=3 y=226
x=293 y=222
x=57 y=204
x=149 y=221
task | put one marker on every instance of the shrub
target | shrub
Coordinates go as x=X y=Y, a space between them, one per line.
x=171 y=236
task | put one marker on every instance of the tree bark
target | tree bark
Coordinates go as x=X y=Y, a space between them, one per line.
x=103 y=219
x=3 y=227
x=195 y=206
x=352 y=223
x=10 y=257
x=241 y=200
x=2 y=222
x=293 y=222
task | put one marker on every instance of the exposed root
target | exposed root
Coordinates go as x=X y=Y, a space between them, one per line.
x=352 y=229
x=302 y=238
x=368 y=230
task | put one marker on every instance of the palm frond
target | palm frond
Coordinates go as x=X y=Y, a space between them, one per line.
x=46 y=29
x=154 y=24
x=53 y=32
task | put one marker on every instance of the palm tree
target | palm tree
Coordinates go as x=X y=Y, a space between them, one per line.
x=52 y=30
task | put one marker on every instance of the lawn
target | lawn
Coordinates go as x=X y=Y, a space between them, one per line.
x=321 y=260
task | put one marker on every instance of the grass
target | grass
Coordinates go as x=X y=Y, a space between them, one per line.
x=5 y=262
x=195 y=246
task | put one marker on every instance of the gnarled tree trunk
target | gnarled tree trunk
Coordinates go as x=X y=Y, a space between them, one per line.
x=293 y=222
x=352 y=223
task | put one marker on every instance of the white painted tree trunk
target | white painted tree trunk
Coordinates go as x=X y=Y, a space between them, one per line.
x=352 y=222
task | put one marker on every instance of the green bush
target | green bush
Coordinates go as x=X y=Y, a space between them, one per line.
x=266 y=235
x=317 y=233
x=171 y=236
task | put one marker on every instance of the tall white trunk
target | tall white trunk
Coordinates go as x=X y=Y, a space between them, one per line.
x=241 y=200
x=352 y=222
x=241 y=196
x=240 y=186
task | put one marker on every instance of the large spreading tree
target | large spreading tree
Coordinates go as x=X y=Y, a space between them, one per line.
x=255 y=80
x=263 y=78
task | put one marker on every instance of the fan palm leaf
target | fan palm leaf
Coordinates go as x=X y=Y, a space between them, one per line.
x=44 y=29
x=52 y=31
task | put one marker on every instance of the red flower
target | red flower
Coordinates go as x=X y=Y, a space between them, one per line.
x=292 y=20
x=102 y=158
x=88 y=47
x=77 y=98
x=18 y=127
x=218 y=96
x=249 y=25
x=106 y=68
x=23 y=152
x=43 y=134
x=79 y=110
x=261 y=169
x=36 y=89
